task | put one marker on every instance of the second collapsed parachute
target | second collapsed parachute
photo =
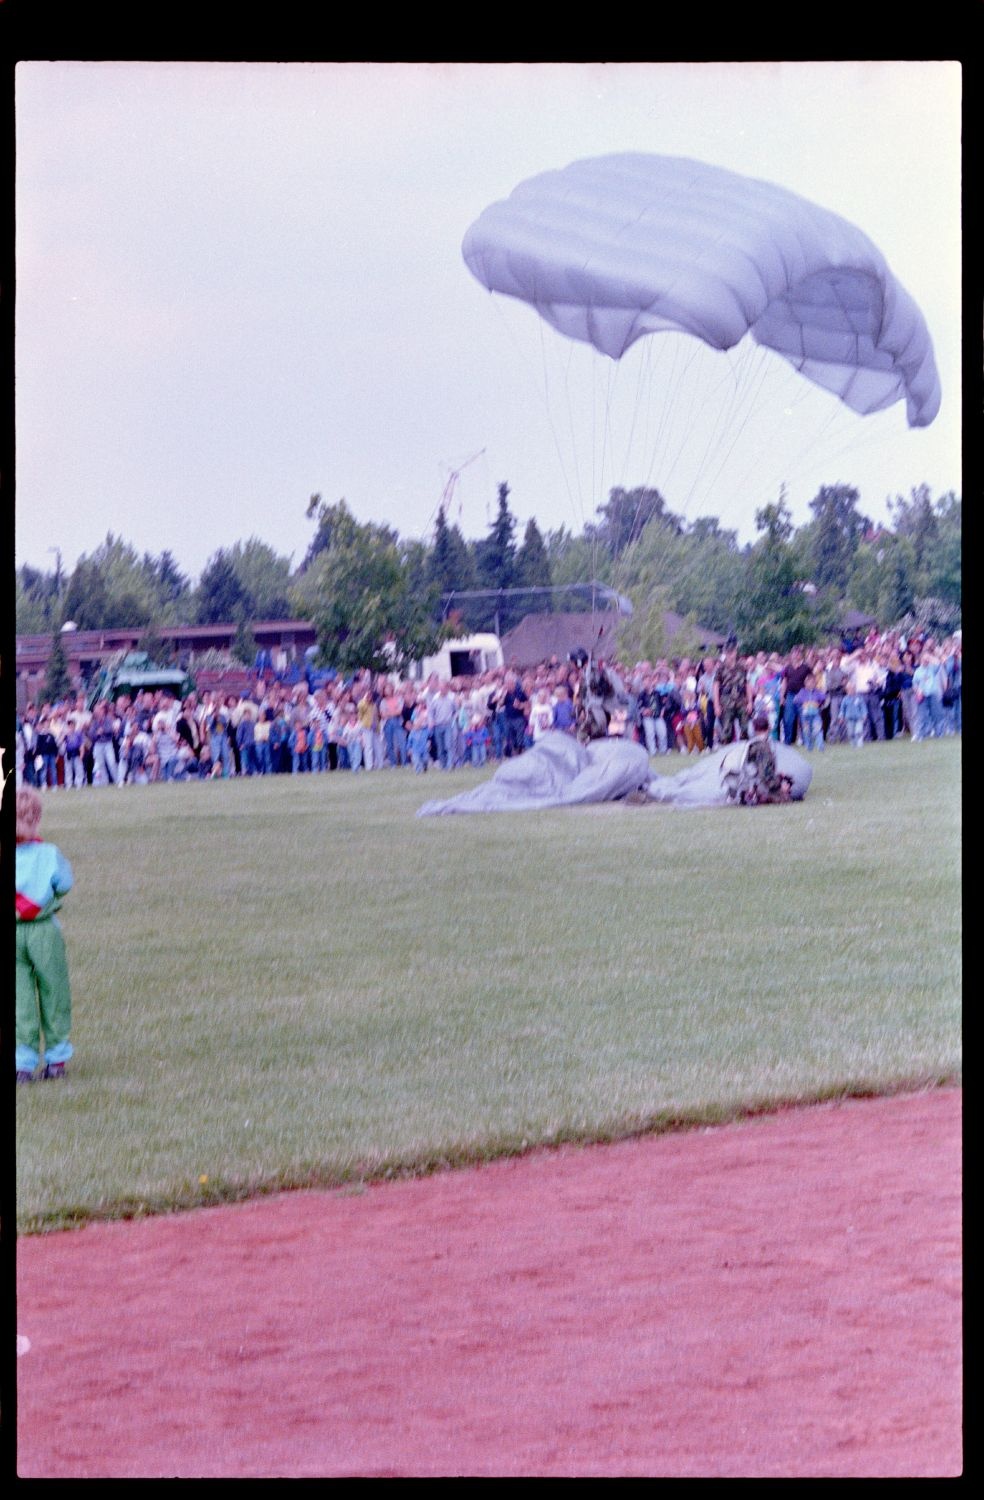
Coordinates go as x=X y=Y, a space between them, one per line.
x=613 y=248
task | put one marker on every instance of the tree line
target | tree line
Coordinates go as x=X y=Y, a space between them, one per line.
x=362 y=585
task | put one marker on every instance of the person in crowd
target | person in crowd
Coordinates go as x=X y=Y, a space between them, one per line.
x=834 y=681
x=352 y=737
x=217 y=727
x=541 y=713
x=300 y=744
x=692 y=726
x=318 y=730
x=394 y=734
x=562 y=709
x=419 y=739
x=706 y=678
x=951 y=657
x=793 y=679
x=28 y=735
x=478 y=740
x=854 y=713
x=188 y=727
x=138 y=758
x=246 y=743
x=280 y=755
x=232 y=712
x=907 y=694
x=47 y=750
x=869 y=683
x=102 y=733
x=367 y=715
x=74 y=751
x=515 y=703
x=441 y=711
x=261 y=742
x=165 y=745
x=809 y=708
x=892 y=694
x=928 y=684
x=732 y=696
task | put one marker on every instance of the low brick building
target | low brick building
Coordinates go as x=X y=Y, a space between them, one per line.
x=88 y=650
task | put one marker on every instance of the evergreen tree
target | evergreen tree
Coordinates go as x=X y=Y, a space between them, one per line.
x=495 y=562
x=450 y=564
x=916 y=519
x=773 y=612
x=944 y=562
x=533 y=571
x=221 y=596
x=87 y=598
x=243 y=648
x=896 y=595
x=36 y=601
x=167 y=583
x=835 y=535
x=57 y=682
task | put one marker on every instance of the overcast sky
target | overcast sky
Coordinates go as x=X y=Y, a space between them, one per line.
x=241 y=283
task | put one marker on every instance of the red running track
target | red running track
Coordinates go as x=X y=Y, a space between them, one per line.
x=780 y=1297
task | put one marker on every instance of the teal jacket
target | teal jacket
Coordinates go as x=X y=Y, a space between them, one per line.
x=43 y=876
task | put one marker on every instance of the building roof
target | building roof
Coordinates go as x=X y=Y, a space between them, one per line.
x=539 y=637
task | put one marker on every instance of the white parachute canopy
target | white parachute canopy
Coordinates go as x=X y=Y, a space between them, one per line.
x=616 y=247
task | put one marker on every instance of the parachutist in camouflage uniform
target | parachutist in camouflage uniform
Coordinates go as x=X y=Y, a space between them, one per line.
x=732 y=696
x=757 y=779
x=597 y=694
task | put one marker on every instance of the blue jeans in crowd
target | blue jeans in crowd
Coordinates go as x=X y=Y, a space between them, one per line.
x=443 y=740
x=930 y=717
x=395 y=737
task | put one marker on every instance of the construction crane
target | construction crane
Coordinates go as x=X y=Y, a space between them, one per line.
x=452 y=481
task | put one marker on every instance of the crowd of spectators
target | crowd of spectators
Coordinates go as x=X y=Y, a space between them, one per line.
x=878 y=689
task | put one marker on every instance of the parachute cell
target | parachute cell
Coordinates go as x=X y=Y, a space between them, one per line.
x=617 y=247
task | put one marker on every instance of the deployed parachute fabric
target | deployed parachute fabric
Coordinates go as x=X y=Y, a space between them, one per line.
x=616 y=247
x=703 y=783
x=559 y=772
x=556 y=772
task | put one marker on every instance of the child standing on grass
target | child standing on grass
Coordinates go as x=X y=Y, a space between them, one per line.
x=854 y=713
x=44 y=999
x=809 y=704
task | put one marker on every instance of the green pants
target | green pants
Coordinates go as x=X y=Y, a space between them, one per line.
x=44 y=997
x=731 y=714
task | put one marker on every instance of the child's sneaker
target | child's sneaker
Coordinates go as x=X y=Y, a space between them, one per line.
x=53 y=1070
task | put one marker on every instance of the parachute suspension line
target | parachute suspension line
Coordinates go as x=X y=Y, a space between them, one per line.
x=698 y=405
x=729 y=426
x=840 y=431
x=542 y=382
x=575 y=491
x=843 y=433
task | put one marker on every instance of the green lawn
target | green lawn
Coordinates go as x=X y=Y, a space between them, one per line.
x=293 y=981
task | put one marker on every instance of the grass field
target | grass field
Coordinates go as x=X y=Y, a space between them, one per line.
x=293 y=981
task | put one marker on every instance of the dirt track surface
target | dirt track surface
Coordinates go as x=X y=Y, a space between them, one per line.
x=780 y=1297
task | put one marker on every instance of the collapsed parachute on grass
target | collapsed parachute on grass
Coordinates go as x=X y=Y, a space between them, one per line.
x=613 y=248
x=558 y=771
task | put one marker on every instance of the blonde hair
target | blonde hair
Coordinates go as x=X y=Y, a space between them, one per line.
x=28 y=813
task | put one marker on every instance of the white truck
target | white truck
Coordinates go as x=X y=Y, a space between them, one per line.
x=465 y=656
